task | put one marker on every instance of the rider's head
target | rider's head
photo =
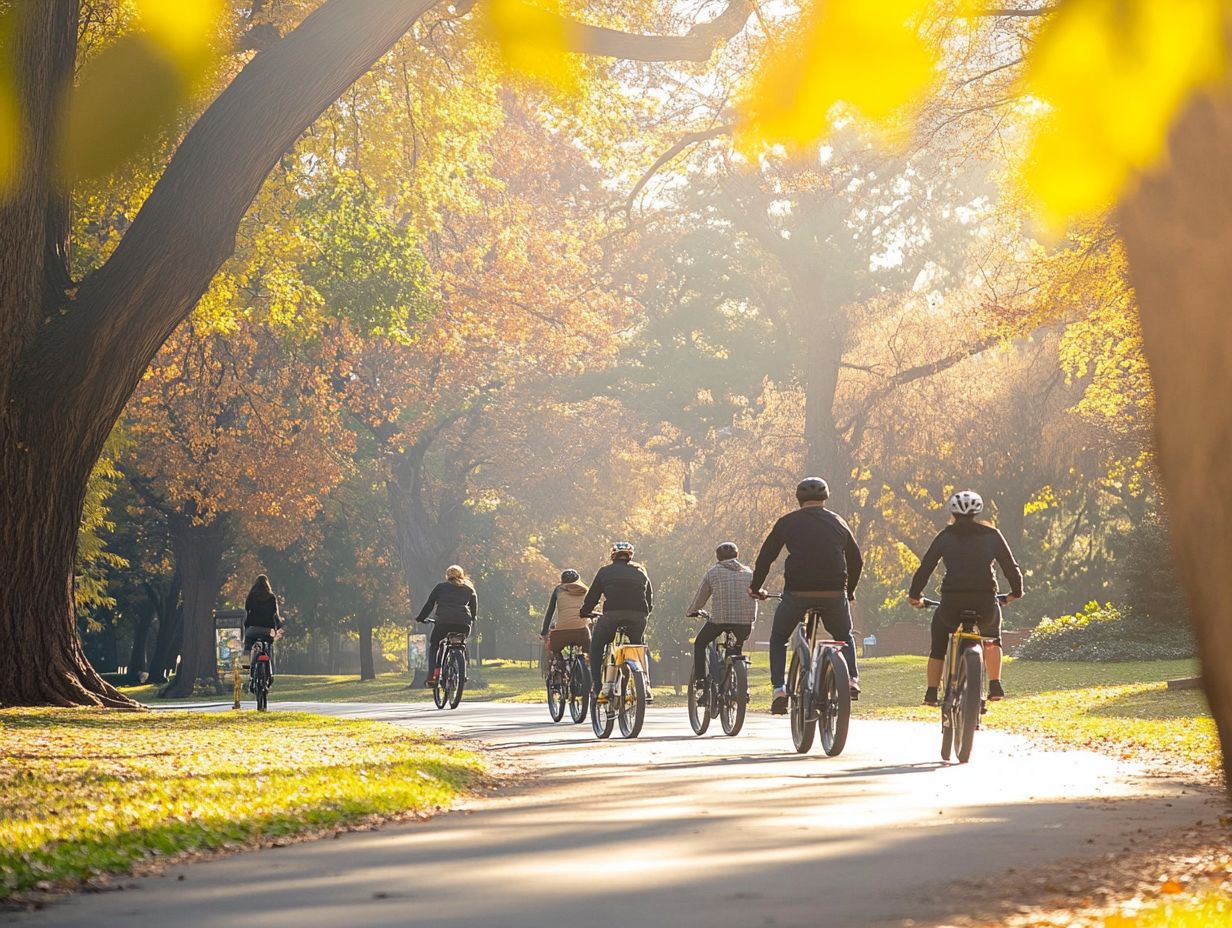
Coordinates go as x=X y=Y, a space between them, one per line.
x=570 y=576
x=726 y=551
x=812 y=490
x=965 y=505
x=622 y=550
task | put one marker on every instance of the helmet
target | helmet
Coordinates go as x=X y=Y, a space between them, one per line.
x=726 y=551
x=570 y=576
x=622 y=549
x=966 y=503
x=812 y=488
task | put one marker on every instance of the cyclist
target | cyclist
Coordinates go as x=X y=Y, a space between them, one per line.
x=563 y=624
x=456 y=607
x=728 y=582
x=969 y=549
x=822 y=569
x=261 y=618
x=627 y=602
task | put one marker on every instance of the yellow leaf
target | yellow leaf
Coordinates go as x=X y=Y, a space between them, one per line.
x=183 y=27
x=534 y=40
x=869 y=56
x=1113 y=75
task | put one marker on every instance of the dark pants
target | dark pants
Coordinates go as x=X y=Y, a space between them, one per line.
x=712 y=631
x=949 y=616
x=604 y=633
x=835 y=616
x=439 y=631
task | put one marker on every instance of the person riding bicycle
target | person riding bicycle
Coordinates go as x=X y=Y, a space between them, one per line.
x=969 y=549
x=563 y=624
x=456 y=607
x=728 y=582
x=261 y=618
x=627 y=603
x=822 y=569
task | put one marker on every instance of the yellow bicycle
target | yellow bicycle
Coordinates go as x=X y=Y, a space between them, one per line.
x=624 y=684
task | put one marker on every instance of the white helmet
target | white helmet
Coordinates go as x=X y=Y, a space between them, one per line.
x=966 y=503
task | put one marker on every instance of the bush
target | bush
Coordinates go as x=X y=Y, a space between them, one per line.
x=1105 y=633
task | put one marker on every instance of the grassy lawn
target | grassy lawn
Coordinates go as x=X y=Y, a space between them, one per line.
x=91 y=792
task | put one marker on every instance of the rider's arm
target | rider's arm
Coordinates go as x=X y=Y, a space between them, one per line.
x=593 y=594
x=649 y=596
x=547 y=616
x=473 y=605
x=703 y=594
x=928 y=563
x=770 y=549
x=427 y=609
x=855 y=564
x=1013 y=573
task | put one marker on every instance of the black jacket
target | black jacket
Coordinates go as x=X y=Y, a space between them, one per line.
x=262 y=613
x=624 y=586
x=968 y=549
x=456 y=604
x=822 y=554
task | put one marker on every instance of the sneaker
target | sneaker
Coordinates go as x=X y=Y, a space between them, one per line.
x=432 y=680
x=855 y=689
x=778 y=705
x=995 y=690
x=702 y=693
x=930 y=697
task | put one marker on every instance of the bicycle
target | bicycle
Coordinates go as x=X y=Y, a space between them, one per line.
x=451 y=661
x=726 y=686
x=261 y=674
x=624 y=682
x=568 y=681
x=963 y=701
x=818 y=687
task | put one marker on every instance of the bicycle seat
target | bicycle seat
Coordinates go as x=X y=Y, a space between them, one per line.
x=456 y=638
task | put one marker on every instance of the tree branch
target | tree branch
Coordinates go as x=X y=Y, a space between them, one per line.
x=692 y=138
x=696 y=45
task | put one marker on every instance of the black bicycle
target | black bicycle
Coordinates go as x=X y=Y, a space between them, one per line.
x=726 y=686
x=963 y=700
x=261 y=674
x=568 y=682
x=451 y=660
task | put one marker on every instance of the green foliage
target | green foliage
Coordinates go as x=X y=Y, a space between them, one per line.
x=94 y=560
x=1148 y=572
x=1105 y=633
x=83 y=792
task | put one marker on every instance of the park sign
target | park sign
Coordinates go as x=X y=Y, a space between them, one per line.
x=227 y=641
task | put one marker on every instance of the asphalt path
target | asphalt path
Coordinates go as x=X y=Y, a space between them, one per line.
x=676 y=830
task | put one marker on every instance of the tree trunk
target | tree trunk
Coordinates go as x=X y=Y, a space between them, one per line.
x=1178 y=233
x=141 y=641
x=198 y=554
x=367 y=667
x=170 y=630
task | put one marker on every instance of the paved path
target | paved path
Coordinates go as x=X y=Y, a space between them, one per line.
x=674 y=830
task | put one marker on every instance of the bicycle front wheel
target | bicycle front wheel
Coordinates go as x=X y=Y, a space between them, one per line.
x=803 y=725
x=456 y=680
x=699 y=716
x=579 y=690
x=967 y=702
x=632 y=701
x=834 y=711
x=734 y=697
x=601 y=721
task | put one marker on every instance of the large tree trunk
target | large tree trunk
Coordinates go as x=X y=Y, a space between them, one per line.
x=198 y=555
x=141 y=642
x=367 y=666
x=170 y=630
x=1178 y=232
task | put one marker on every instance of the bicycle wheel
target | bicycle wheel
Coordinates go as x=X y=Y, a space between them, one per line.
x=967 y=702
x=262 y=687
x=601 y=720
x=734 y=697
x=699 y=716
x=834 y=711
x=579 y=690
x=457 y=678
x=438 y=688
x=803 y=726
x=947 y=734
x=556 y=690
x=632 y=701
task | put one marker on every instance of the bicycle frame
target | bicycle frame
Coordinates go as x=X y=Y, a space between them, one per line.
x=809 y=647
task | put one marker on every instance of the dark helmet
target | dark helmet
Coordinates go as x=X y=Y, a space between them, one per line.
x=622 y=549
x=570 y=576
x=812 y=488
x=726 y=551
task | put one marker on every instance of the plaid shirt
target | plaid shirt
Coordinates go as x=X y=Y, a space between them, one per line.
x=728 y=581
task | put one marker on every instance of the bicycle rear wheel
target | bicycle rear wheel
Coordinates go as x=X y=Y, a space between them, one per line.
x=834 y=712
x=632 y=711
x=947 y=734
x=456 y=681
x=699 y=716
x=967 y=702
x=579 y=690
x=803 y=725
x=556 y=684
x=734 y=697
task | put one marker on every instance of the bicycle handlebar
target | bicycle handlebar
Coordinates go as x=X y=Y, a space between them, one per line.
x=1002 y=598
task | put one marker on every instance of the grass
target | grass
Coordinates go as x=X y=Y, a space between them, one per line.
x=84 y=792
x=1209 y=910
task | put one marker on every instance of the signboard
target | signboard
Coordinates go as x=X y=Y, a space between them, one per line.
x=416 y=653
x=228 y=637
